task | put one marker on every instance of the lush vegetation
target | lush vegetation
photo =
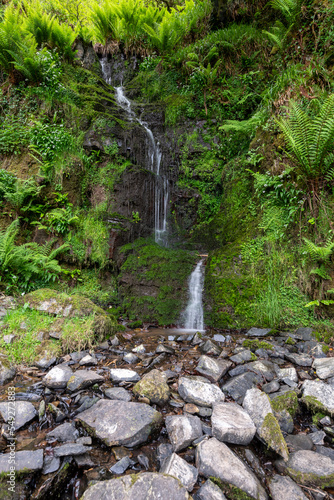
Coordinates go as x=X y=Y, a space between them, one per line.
x=247 y=98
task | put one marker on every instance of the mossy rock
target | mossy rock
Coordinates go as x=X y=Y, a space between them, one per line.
x=286 y=401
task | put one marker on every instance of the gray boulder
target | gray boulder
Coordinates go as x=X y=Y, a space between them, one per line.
x=118 y=423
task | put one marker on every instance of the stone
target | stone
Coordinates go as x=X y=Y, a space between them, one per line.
x=284 y=488
x=232 y=424
x=257 y=404
x=299 y=359
x=258 y=332
x=183 y=430
x=144 y=486
x=271 y=387
x=63 y=433
x=194 y=390
x=118 y=423
x=311 y=468
x=7 y=372
x=212 y=368
x=23 y=412
x=118 y=393
x=123 y=375
x=154 y=386
x=238 y=386
x=82 y=379
x=177 y=467
x=287 y=373
x=215 y=459
x=210 y=491
x=25 y=461
x=318 y=396
x=122 y=465
x=70 y=449
x=324 y=367
x=298 y=442
x=58 y=377
x=88 y=360
x=242 y=357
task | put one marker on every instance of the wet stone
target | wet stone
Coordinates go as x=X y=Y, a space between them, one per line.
x=177 y=467
x=25 y=461
x=63 y=433
x=123 y=375
x=324 y=367
x=309 y=467
x=183 y=430
x=71 y=449
x=118 y=393
x=194 y=390
x=118 y=423
x=82 y=379
x=212 y=368
x=258 y=332
x=238 y=386
x=144 y=486
x=284 y=488
x=215 y=459
x=232 y=424
x=210 y=491
x=23 y=412
x=58 y=377
x=154 y=386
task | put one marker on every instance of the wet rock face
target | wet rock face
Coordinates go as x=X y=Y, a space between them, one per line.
x=145 y=486
x=117 y=423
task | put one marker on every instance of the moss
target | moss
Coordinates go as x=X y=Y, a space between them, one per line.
x=287 y=401
x=272 y=434
x=257 y=344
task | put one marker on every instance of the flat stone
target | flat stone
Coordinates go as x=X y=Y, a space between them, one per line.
x=299 y=359
x=123 y=375
x=311 y=468
x=183 y=430
x=22 y=411
x=212 y=368
x=25 y=461
x=118 y=423
x=88 y=360
x=318 y=396
x=232 y=424
x=238 y=386
x=324 y=367
x=70 y=449
x=298 y=442
x=63 y=433
x=210 y=491
x=154 y=386
x=82 y=379
x=177 y=467
x=194 y=390
x=287 y=373
x=144 y=486
x=215 y=459
x=118 y=393
x=242 y=357
x=284 y=488
x=58 y=377
x=258 y=332
x=257 y=404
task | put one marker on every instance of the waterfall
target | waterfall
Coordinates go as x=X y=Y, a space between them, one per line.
x=193 y=315
x=154 y=156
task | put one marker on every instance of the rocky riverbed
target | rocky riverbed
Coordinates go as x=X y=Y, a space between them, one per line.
x=159 y=414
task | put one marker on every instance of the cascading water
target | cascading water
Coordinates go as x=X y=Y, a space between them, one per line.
x=154 y=155
x=193 y=315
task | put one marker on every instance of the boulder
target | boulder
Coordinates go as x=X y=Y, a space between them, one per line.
x=232 y=424
x=144 y=486
x=118 y=423
x=215 y=459
x=154 y=386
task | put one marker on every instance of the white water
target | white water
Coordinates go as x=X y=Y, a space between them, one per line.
x=193 y=315
x=154 y=155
